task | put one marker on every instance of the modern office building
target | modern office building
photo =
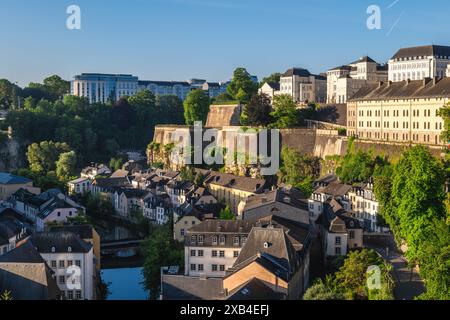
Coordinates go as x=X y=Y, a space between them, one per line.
x=161 y=88
x=97 y=87
x=417 y=63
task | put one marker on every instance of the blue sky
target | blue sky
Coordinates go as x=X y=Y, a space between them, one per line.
x=181 y=39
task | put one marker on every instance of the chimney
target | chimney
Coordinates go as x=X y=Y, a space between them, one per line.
x=435 y=80
x=408 y=81
x=389 y=83
x=425 y=81
x=380 y=84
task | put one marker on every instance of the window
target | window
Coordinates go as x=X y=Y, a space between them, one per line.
x=235 y=254
x=214 y=240
x=192 y=253
x=62 y=279
x=222 y=239
x=69 y=263
x=352 y=234
x=193 y=239
x=182 y=232
x=214 y=267
x=337 y=250
x=200 y=253
x=62 y=264
x=338 y=240
x=193 y=267
x=214 y=253
x=236 y=241
x=53 y=264
x=78 y=295
x=244 y=240
x=200 y=267
x=222 y=254
x=222 y=268
x=70 y=295
x=78 y=263
x=200 y=239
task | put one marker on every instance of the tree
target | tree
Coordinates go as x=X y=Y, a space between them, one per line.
x=56 y=86
x=9 y=94
x=356 y=167
x=242 y=87
x=199 y=180
x=285 y=113
x=159 y=250
x=42 y=157
x=124 y=115
x=444 y=113
x=322 y=291
x=6 y=295
x=273 y=78
x=223 y=97
x=226 y=214
x=257 y=111
x=196 y=107
x=170 y=109
x=66 y=165
x=115 y=164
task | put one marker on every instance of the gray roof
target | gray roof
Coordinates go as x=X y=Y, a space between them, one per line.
x=236 y=182
x=8 y=178
x=426 y=88
x=430 y=50
x=60 y=241
x=255 y=289
x=364 y=59
x=297 y=72
x=179 y=287
x=334 y=189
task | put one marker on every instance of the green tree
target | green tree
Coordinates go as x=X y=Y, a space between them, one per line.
x=42 y=156
x=356 y=167
x=56 y=86
x=159 y=250
x=66 y=165
x=322 y=291
x=273 y=78
x=115 y=164
x=223 y=97
x=285 y=113
x=196 y=107
x=6 y=295
x=199 y=180
x=226 y=214
x=9 y=94
x=257 y=112
x=444 y=113
x=242 y=87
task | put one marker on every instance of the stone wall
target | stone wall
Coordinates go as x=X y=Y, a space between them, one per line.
x=224 y=115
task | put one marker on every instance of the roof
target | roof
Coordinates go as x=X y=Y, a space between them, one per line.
x=79 y=180
x=9 y=229
x=426 y=88
x=271 y=197
x=8 y=178
x=179 y=287
x=163 y=83
x=236 y=182
x=25 y=274
x=120 y=174
x=255 y=289
x=300 y=72
x=364 y=59
x=82 y=231
x=107 y=183
x=274 y=85
x=335 y=189
x=60 y=241
x=223 y=226
x=427 y=51
x=336 y=220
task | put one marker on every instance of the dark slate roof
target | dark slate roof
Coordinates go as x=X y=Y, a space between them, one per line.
x=61 y=241
x=237 y=182
x=109 y=183
x=431 y=50
x=178 y=287
x=255 y=289
x=8 y=178
x=271 y=197
x=348 y=68
x=336 y=220
x=297 y=72
x=364 y=59
x=280 y=256
x=134 y=193
x=426 y=88
x=82 y=231
x=334 y=189
x=274 y=85
x=24 y=272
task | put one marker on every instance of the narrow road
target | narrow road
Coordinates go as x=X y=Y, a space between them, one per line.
x=408 y=282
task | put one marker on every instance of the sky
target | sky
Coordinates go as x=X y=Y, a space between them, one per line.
x=207 y=39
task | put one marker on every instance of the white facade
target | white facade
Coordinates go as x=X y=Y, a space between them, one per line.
x=337 y=244
x=418 y=63
x=209 y=262
x=84 y=286
x=104 y=87
x=56 y=215
x=80 y=186
x=302 y=86
x=448 y=71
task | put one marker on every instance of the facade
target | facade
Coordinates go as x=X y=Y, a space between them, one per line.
x=344 y=81
x=270 y=89
x=403 y=112
x=63 y=250
x=158 y=209
x=418 y=63
x=182 y=226
x=11 y=233
x=80 y=186
x=161 y=88
x=95 y=170
x=97 y=87
x=212 y=247
x=127 y=201
x=448 y=71
x=303 y=86
x=10 y=183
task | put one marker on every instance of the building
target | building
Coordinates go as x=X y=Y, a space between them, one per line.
x=418 y=63
x=344 y=81
x=448 y=71
x=63 y=251
x=340 y=231
x=212 y=247
x=161 y=88
x=270 y=89
x=95 y=170
x=184 y=223
x=325 y=193
x=97 y=87
x=401 y=112
x=10 y=183
x=232 y=190
x=128 y=201
x=303 y=86
x=274 y=203
x=215 y=89
x=12 y=231
x=158 y=209
x=25 y=274
x=79 y=186
x=106 y=187
x=178 y=190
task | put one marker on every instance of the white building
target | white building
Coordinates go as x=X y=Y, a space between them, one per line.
x=213 y=246
x=97 y=87
x=95 y=170
x=417 y=63
x=448 y=71
x=72 y=260
x=80 y=186
x=303 y=86
x=344 y=81
x=270 y=89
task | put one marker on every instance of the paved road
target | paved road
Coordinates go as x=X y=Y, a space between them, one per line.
x=408 y=282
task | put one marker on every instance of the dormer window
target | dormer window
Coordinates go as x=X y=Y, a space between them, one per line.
x=53 y=249
x=236 y=241
x=193 y=239
x=214 y=240
x=243 y=240
x=200 y=240
x=69 y=249
x=222 y=240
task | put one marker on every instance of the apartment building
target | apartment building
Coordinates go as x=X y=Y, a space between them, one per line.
x=270 y=89
x=303 y=86
x=403 y=112
x=160 y=88
x=417 y=63
x=344 y=81
x=97 y=87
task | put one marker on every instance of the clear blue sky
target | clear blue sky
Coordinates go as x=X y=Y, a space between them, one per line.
x=180 y=39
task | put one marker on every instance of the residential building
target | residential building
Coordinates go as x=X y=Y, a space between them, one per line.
x=215 y=89
x=303 y=86
x=161 y=88
x=183 y=224
x=270 y=89
x=325 y=193
x=158 y=209
x=25 y=274
x=64 y=251
x=79 y=186
x=10 y=183
x=340 y=231
x=400 y=112
x=177 y=191
x=106 y=187
x=212 y=247
x=127 y=201
x=97 y=87
x=344 y=81
x=274 y=203
x=12 y=231
x=95 y=170
x=418 y=63
x=232 y=190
